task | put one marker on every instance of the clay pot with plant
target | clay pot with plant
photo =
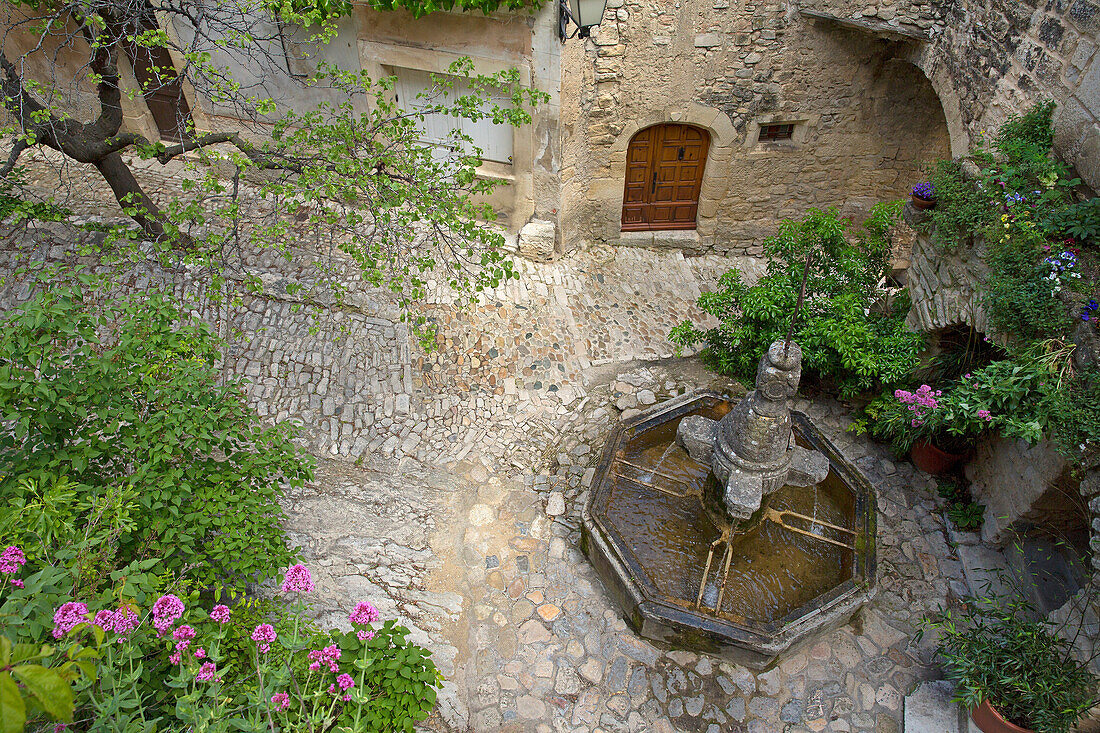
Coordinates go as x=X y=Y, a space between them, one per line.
x=937 y=429
x=1013 y=670
x=923 y=195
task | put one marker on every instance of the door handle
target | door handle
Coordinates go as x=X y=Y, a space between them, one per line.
x=653 y=186
x=680 y=154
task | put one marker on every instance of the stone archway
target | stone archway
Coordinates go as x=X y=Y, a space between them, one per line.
x=937 y=75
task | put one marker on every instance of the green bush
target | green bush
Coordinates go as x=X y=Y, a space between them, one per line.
x=120 y=397
x=1002 y=650
x=962 y=210
x=848 y=336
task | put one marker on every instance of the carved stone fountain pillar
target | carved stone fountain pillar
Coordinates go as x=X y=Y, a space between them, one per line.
x=750 y=450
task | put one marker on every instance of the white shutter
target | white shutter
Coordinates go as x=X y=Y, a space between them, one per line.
x=495 y=141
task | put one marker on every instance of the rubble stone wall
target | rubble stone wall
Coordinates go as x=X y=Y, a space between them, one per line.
x=866 y=118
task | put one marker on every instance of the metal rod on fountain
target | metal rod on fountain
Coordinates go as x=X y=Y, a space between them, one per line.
x=798 y=305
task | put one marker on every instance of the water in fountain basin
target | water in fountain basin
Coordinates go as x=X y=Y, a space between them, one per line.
x=773 y=572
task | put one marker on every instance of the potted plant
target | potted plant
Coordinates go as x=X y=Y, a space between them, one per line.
x=923 y=195
x=936 y=430
x=1013 y=670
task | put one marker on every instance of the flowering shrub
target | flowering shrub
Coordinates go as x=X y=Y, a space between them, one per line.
x=924 y=190
x=365 y=679
x=1060 y=269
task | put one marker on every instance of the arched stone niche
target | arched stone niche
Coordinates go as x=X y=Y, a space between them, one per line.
x=924 y=57
x=723 y=140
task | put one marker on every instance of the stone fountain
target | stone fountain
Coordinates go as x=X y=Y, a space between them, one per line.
x=737 y=530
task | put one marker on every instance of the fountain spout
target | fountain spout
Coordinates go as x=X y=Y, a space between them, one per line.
x=750 y=450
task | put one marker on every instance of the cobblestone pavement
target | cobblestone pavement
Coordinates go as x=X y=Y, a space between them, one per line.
x=485 y=566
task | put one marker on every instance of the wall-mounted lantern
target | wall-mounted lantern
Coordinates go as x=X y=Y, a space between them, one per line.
x=582 y=13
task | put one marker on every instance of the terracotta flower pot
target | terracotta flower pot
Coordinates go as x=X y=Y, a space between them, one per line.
x=922 y=204
x=931 y=459
x=990 y=721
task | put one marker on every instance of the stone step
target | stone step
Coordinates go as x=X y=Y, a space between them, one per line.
x=929 y=709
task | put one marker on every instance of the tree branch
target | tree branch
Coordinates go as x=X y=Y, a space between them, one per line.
x=16 y=150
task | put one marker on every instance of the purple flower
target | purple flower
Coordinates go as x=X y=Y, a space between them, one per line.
x=220 y=614
x=125 y=621
x=924 y=190
x=345 y=681
x=280 y=701
x=67 y=617
x=166 y=610
x=17 y=582
x=11 y=560
x=297 y=580
x=206 y=672
x=105 y=620
x=984 y=414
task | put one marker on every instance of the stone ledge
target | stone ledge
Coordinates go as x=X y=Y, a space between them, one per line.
x=874 y=27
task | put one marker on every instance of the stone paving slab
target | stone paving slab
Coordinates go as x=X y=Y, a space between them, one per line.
x=929 y=709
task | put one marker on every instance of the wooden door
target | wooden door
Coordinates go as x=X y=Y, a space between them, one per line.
x=159 y=81
x=664 y=173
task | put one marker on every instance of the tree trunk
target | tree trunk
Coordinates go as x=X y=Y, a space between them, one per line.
x=130 y=196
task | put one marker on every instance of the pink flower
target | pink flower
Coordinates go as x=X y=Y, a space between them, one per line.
x=175 y=657
x=297 y=580
x=59 y=727
x=181 y=646
x=200 y=653
x=345 y=681
x=105 y=620
x=166 y=610
x=984 y=414
x=328 y=656
x=220 y=614
x=364 y=613
x=206 y=672
x=11 y=560
x=125 y=621
x=364 y=635
x=280 y=701
x=17 y=582
x=183 y=633
x=67 y=617
x=264 y=634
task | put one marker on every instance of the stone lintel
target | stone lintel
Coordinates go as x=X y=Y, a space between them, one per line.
x=878 y=28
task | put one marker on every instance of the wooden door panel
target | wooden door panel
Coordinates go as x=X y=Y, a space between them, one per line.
x=664 y=175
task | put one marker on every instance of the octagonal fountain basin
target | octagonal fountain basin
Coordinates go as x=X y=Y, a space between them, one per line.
x=803 y=564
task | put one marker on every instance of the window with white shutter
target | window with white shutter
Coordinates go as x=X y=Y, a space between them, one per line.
x=495 y=141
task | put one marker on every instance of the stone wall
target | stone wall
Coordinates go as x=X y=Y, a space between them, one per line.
x=943 y=285
x=865 y=119
x=994 y=58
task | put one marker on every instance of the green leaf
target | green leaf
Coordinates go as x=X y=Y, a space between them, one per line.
x=49 y=689
x=13 y=711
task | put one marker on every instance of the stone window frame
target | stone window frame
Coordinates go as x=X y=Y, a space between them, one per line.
x=803 y=124
x=379 y=59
